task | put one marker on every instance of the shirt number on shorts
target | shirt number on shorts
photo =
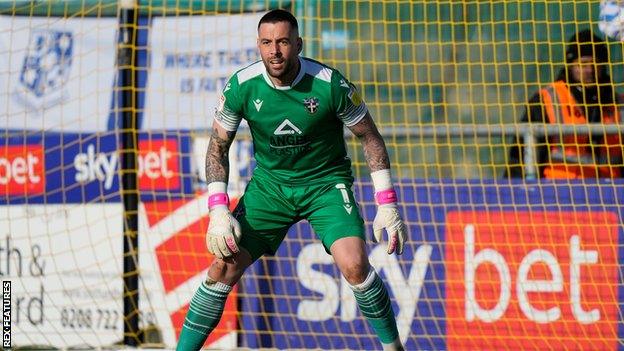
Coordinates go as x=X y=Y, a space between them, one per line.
x=345 y=197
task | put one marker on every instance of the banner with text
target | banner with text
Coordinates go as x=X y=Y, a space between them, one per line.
x=65 y=263
x=191 y=60
x=80 y=168
x=488 y=265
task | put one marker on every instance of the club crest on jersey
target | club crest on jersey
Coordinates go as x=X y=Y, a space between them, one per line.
x=311 y=104
x=45 y=69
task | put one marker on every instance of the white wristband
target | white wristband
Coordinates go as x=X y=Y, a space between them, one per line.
x=381 y=180
x=217 y=187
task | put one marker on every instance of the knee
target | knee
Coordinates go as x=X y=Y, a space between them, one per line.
x=217 y=271
x=356 y=272
x=218 y=267
x=225 y=271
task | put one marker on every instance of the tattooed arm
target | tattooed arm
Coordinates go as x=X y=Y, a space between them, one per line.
x=388 y=216
x=374 y=147
x=224 y=231
x=217 y=161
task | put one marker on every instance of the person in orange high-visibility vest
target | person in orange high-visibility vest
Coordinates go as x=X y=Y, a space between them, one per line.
x=582 y=93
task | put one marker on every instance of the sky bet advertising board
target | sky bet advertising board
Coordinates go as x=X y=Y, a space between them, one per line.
x=490 y=266
x=82 y=168
x=504 y=270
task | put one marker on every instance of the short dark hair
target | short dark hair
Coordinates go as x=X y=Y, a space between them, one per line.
x=279 y=15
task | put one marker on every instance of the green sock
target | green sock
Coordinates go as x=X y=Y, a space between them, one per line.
x=374 y=302
x=204 y=313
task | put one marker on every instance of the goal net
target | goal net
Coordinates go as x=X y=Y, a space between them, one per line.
x=491 y=262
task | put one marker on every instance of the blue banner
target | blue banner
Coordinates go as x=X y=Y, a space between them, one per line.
x=296 y=300
x=84 y=168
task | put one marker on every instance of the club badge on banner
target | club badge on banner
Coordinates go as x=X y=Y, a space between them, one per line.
x=58 y=68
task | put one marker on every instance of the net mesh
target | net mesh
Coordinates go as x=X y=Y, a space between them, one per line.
x=490 y=263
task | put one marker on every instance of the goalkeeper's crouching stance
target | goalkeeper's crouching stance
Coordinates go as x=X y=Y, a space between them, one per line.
x=296 y=109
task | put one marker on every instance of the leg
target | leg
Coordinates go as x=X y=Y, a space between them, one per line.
x=207 y=305
x=264 y=223
x=370 y=292
x=333 y=213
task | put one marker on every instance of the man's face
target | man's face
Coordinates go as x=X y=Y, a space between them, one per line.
x=279 y=47
x=583 y=70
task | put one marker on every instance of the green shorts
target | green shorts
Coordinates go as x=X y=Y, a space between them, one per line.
x=268 y=209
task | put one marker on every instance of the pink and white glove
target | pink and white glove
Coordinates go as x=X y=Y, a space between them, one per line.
x=224 y=232
x=388 y=215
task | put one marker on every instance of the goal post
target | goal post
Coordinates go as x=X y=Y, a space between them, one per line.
x=490 y=263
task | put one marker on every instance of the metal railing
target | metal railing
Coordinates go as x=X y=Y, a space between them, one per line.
x=529 y=131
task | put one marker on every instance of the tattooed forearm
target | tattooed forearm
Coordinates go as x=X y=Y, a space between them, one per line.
x=375 y=153
x=374 y=147
x=217 y=162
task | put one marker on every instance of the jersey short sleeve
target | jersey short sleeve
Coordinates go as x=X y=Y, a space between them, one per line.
x=229 y=111
x=350 y=108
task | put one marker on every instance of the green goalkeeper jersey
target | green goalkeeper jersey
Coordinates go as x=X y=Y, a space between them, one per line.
x=297 y=130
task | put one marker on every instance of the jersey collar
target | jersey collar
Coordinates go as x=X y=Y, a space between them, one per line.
x=302 y=69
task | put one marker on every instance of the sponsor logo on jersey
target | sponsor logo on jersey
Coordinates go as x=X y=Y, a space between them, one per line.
x=515 y=275
x=45 y=69
x=288 y=140
x=311 y=104
x=287 y=128
x=258 y=104
x=22 y=170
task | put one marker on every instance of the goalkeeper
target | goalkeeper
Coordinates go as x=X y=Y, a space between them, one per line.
x=296 y=109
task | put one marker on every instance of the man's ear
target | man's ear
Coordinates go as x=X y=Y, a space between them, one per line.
x=299 y=45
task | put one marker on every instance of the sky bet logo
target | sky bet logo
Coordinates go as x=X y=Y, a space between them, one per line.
x=22 y=170
x=158 y=164
x=532 y=280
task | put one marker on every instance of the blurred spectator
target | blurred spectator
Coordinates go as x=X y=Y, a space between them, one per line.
x=582 y=93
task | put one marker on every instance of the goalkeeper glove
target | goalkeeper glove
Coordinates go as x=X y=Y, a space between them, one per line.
x=388 y=215
x=224 y=231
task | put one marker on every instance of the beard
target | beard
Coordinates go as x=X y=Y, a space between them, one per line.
x=286 y=69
